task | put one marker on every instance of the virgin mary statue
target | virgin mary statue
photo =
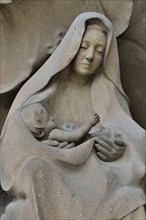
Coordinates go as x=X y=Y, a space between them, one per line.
x=99 y=178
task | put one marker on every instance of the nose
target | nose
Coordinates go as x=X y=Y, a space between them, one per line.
x=90 y=54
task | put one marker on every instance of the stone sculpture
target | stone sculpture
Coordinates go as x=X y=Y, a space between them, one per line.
x=42 y=125
x=99 y=178
x=32 y=23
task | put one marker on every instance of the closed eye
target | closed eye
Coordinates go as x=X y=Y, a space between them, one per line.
x=84 y=45
x=99 y=49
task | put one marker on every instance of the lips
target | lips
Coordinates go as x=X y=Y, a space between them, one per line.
x=86 y=64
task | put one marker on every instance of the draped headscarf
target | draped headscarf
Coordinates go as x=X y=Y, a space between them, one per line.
x=65 y=53
x=117 y=183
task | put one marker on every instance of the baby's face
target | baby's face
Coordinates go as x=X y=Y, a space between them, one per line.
x=36 y=118
x=39 y=122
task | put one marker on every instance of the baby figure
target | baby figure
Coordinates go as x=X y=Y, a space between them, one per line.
x=36 y=118
x=42 y=125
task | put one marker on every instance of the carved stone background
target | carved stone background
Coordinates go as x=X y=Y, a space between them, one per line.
x=30 y=31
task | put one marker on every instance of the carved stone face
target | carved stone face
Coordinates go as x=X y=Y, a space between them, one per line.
x=36 y=118
x=90 y=53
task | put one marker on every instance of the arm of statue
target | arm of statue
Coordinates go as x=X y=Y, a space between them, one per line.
x=27 y=139
x=109 y=150
x=76 y=135
x=54 y=143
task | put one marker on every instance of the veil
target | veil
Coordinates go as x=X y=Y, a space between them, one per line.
x=118 y=183
x=64 y=54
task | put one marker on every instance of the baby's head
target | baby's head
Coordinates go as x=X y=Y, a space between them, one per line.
x=37 y=119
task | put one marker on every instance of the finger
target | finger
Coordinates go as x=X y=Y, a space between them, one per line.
x=70 y=146
x=103 y=144
x=104 y=151
x=63 y=145
x=97 y=120
x=50 y=142
x=102 y=157
x=107 y=140
x=46 y=141
x=120 y=142
x=116 y=143
x=53 y=143
x=112 y=145
x=97 y=116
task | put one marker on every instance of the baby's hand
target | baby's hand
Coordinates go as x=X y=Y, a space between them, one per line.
x=94 y=119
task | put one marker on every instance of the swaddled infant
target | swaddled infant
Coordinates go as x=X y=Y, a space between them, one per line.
x=43 y=126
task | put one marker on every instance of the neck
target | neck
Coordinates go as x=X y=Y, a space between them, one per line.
x=79 y=79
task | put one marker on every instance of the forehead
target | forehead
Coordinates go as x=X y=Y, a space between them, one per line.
x=94 y=36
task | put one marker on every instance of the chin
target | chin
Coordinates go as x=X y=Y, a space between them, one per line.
x=85 y=73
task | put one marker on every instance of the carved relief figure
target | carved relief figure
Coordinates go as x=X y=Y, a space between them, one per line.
x=41 y=125
x=101 y=177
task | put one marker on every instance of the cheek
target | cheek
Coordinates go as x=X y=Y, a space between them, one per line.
x=76 y=63
x=78 y=58
x=97 y=61
x=80 y=55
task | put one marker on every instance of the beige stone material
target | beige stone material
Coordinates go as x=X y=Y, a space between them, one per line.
x=31 y=30
x=99 y=178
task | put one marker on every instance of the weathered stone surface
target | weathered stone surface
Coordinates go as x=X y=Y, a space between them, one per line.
x=118 y=12
x=132 y=46
x=137 y=28
x=50 y=181
x=31 y=31
x=133 y=77
x=135 y=33
x=4 y=200
x=5 y=1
